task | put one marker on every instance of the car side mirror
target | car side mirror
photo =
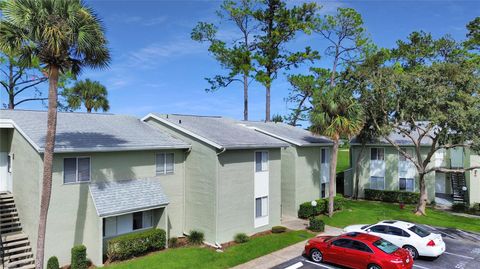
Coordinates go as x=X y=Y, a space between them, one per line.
x=369 y=230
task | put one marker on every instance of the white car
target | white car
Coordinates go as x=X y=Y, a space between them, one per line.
x=409 y=236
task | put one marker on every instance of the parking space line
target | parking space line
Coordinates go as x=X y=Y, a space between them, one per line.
x=295 y=266
x=421 y=267
x=319 y=264
x=458 y=255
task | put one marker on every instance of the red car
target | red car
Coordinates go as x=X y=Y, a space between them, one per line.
x=358 y=250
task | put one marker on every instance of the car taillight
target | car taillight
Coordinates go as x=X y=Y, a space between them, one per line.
x=396 y=261
x=431 y=243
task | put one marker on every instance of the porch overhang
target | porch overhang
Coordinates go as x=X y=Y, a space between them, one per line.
x=113 y=198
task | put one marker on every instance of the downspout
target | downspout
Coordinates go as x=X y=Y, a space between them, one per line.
x=217 y=245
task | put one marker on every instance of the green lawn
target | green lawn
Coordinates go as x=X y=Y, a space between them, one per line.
x=343 y=161
x=367 y=212
x=196 y=257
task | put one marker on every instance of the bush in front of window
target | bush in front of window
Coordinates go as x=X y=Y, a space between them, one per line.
x=306 y=210
x=392 y=196
x=53 y=263
x=135 y=244
x=79 y=257
x=241 y=238
x=195 y=237
x=459 y=207
x=278 y=229
x=316 y=224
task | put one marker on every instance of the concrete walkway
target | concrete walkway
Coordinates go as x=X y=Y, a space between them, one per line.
x=288 y=253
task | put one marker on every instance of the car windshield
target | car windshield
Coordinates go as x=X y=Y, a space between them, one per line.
x=385 y=246
x=419 y=231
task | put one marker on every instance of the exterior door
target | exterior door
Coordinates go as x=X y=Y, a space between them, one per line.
x=5 y=174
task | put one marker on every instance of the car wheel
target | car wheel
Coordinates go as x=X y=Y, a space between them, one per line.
x=413 y=251
x=374 y=266
x=316 y=255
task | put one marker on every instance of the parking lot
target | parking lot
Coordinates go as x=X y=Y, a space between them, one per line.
x=463 y=252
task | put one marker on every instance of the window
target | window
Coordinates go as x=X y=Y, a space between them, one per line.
x=360 y=246
x=261 y=207
x=397 y=231
x=382 y=229
x=406 y=184
x=9 y=163
x=385 y=246
x=377 y=154
x=261 y=161
x=323 y=193
x=343 y=243
x=377 y=183
x=127 y=223
x=324 y=156
x=419 y=231
x=400 y=155
x=164 y=163
x=76 y=170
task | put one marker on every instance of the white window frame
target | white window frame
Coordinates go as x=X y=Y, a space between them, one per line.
x=262 y=209
x=377 y=148
x=164 y=164
x=10 y=163
x=76 y=168
x=406 y=178
x=267 y=163
x=370 y=181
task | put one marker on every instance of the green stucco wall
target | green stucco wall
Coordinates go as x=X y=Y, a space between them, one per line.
x=200 y=184
x=236 y=201
x=391 y=171
x=307 y=183
x=72 y=205
x=289 y=206
x=27 y=167
x=473 y=180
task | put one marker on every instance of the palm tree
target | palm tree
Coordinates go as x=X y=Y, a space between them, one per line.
x=92 y=94
x=335 y=114
x=66 y=36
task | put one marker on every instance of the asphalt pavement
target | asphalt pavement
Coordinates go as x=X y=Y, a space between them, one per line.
x=463 y=252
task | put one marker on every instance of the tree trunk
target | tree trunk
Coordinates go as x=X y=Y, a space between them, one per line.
x=47 y=163
x=89 y=110
x=422 y=203
x=267 y=102
x=357 y=171
x=298 y=111
x=333 y=176
x=11 y=87
x=245 y=97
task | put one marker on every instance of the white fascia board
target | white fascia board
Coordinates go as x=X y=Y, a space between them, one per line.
x=114 y=149
x=183 y=130
x=7 y=123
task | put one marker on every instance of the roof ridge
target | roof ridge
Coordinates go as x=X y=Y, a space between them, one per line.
x=65 y=112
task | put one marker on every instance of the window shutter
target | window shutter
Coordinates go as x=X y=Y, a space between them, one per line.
x=160 y=164
x=258 y=161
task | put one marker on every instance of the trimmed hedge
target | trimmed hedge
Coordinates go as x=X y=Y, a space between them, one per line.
x=173 y=242
x=79 y=257
x=53 y=263
x=279 y=229
x=392 y=196
x=241 y=238
x=135 y=244
x=306 y=209
x=316 y=224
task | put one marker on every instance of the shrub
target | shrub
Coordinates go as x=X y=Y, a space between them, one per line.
x=79 y=257
x=241 y=238
x=131 y=245
x=173 y=242
x=459 y=207
x=195 y=237
x=278 y=229
x=306 y=209
x=392 y=196
x=53 y=263
x=316 y=224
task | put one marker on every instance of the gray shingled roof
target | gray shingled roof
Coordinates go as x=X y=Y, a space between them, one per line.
x=77 y=132
x=225 y=133
x=297 y=136
x=398 y=138
x=121 y=197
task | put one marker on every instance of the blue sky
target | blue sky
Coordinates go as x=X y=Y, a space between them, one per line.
x=157 y=67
